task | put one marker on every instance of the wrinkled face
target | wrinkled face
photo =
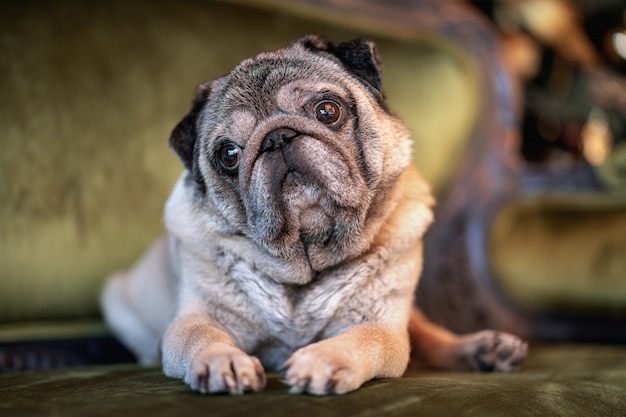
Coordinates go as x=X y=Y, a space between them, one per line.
x=291 y=147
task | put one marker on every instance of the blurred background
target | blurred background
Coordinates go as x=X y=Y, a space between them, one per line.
x=517 y=108
x=570 y=58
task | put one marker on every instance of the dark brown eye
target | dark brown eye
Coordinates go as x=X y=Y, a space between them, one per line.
x=229 y=155
x=327 y=112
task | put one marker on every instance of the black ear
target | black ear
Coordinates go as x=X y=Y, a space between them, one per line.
x=358 y=56
x=184 y=135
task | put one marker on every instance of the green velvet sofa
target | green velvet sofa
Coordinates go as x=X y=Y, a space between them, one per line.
x=90 y=92
x=557 y=381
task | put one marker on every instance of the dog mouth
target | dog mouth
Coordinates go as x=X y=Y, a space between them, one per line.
x=314 y=210
x=302 y=191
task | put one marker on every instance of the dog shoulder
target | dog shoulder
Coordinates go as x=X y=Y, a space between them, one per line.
x=410 y=214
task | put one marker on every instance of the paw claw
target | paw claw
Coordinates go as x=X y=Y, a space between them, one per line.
x=230 y=384
x=330 y=386
x=300 y=386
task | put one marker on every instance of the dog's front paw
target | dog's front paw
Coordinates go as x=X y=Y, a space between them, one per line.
x=492 y=351
x=320 y=370
x=223 y=368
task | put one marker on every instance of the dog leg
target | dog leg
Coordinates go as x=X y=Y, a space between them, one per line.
x=343 y=363
x=207 y=358
x=485 y=351
x=125 y=322
x=139 y=304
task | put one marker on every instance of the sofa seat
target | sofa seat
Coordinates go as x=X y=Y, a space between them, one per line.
x=557 y=380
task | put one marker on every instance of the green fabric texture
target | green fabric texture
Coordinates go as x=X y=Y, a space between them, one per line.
x=563 y=380
x=90 y=94
x=563 y=253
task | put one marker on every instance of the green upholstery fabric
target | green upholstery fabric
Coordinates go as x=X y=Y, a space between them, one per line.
x=563 y=253
x=568 y=380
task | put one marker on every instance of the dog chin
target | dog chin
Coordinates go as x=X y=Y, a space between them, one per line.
x=316 y=227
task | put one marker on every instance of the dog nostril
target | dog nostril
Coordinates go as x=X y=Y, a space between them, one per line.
x=278 y=138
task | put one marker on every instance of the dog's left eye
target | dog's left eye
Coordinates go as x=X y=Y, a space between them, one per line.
x=229 y=155
x=327 y=112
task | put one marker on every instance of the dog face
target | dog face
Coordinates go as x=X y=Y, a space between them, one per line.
x=295 y=150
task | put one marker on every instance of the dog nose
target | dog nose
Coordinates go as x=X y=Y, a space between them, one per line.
x=278 y=138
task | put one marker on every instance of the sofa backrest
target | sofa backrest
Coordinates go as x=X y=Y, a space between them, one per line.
x=90 y=93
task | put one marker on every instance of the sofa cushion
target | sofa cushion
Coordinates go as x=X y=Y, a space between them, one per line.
x=566 y=380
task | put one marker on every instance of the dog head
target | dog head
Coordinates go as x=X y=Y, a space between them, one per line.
x=295 y=148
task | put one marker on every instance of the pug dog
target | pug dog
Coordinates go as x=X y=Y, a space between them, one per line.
x=294 y=237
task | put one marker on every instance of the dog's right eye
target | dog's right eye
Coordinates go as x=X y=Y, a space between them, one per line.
x=230 y=155
x=327 y=112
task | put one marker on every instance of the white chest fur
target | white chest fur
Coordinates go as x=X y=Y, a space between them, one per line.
x=272 y=320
